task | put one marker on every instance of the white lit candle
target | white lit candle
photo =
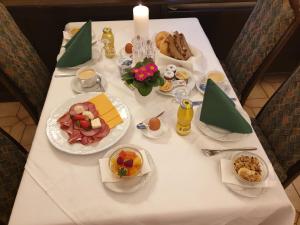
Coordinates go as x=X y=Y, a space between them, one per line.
x=141 y=20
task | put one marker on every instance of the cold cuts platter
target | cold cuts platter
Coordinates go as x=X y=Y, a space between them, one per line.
x=67 y=132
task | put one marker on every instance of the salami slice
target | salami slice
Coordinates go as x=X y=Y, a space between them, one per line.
x=89 y=133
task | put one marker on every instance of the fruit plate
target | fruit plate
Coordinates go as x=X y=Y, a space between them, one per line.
x=59 y=138
x=130 y=184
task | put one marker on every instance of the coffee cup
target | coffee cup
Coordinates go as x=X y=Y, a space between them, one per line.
x=87 y=77
x=217 y=77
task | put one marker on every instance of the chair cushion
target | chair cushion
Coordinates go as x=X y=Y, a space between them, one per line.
x=12 y=162
x=20 y=63
x=279 y=120
x=264 y=28
x=281 y=173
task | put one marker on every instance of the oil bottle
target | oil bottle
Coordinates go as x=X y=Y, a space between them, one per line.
x=108 y=41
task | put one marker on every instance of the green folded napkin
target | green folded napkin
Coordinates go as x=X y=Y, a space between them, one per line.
x=78 y=49
x=219 y=110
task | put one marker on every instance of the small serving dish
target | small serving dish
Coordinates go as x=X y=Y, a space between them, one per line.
x=126 y=162
x=249 y=168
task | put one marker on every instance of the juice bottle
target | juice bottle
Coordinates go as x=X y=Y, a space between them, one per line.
x=184 y=117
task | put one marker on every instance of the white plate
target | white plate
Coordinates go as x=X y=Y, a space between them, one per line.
x=245 y=191
x=155 y=134
x=217 y=133
x=201 y=85
x=96 y=56
x=132 y=184
x=76 y=86
x=59 y=138
x=249 y=192
x=188 y=88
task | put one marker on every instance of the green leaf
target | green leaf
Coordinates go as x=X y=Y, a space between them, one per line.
x=145 y=90
x=139 y=64
x=137 y=84
x=161 y=80
x=122 y=172
x=127 y=76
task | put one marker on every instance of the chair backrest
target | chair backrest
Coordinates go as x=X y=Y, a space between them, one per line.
x=262 y=37
x=279 y=121
x=22 y=71
x=12 y=162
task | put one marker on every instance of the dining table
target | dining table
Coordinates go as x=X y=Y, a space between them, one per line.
x=185 y=186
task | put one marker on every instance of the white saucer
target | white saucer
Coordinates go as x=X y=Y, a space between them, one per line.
x=155 y=134
x=201 y=85
x=76 y=86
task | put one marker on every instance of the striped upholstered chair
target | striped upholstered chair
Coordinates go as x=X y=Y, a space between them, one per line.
x=278 y=128
x=268 y=28
x=12 y=162
x=21 y=69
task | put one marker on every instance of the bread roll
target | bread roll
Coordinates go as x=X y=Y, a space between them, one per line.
x=160 y=37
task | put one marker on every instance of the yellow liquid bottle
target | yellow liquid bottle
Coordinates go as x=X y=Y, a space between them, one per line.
x=185 y=115
x=108 y=41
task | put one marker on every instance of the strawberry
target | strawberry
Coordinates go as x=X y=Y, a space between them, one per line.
x=120 y=160
x=79 y=117
x=128 y=163
x=85 y=124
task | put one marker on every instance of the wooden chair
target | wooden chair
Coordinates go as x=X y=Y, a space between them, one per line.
x=267 y=30
x=21 y=70
x=278 y=128
x=12 y=162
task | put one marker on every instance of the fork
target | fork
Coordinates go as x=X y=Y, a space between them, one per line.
x=211 y=152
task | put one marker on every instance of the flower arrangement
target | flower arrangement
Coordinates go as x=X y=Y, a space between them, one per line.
x=143 y=76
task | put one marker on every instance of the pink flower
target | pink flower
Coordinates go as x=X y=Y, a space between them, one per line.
x=140 y=76
x=152 y=67
x=135 y=70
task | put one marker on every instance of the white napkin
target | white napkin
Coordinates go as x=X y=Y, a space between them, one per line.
x=108 y=176
x=229 y=177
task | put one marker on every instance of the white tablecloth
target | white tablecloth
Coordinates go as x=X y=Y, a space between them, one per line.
x=186 y=187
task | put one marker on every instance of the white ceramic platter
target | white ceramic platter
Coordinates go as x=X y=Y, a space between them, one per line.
x=59 y=138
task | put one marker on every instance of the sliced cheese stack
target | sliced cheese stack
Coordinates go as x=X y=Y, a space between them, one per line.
x=106 y=110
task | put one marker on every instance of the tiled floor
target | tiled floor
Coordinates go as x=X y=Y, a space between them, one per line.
x=17 y=122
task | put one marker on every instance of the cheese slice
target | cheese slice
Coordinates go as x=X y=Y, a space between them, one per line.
x=102 y=103
x=114 y=122
x=110 y=115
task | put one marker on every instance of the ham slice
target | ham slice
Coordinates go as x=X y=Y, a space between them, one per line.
x=78 y=134
x=75 y=137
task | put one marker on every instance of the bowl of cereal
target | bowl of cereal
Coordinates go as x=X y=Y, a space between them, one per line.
x=249 y=168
